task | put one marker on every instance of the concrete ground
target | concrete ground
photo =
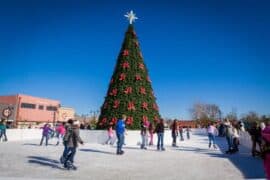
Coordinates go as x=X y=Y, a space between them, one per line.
x=191 y=160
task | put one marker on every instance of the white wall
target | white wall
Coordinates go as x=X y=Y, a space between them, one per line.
x=23 y=134
x=99 y=136
x=90 y=136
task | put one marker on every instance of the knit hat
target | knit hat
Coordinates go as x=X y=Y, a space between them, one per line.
x=77 y=123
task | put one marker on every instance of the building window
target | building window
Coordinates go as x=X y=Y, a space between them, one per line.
x=28 y=105
x=51 y=108
x=40 y=107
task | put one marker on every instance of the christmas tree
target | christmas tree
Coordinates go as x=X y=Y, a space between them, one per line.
x=130 y=91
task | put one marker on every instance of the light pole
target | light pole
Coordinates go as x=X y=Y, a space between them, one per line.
x=96 y=113
x=54 y=112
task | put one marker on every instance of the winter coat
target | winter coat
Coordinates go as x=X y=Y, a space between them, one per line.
x=120 y=126
x=72 y=137
x=2 y=127
x=46 y=130
x=144 y=127
x=61 y=129
x=228 y=129
x=159 y=128
x=174 y=129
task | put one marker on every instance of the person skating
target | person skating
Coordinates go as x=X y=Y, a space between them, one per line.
x=73 y=138
x=255 y=133
x=110 y=135
x=181 y=133
x=68 y=128
x=221 y=130
x=144 y=135
x=212 y=131
x=3 y=128
x=174 y=129
x=120 y=133
x=236 y=136
x=46 y=133
x=151 y=133
x=188 y=132
x=229 y=135
x=61 y=130
x=160 y=135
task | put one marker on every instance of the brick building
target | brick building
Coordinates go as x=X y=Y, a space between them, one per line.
x=188 y=123
x=23 y=110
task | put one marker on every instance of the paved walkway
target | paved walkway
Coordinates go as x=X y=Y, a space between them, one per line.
x=191 y=160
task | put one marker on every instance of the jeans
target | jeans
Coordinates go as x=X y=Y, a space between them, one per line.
x=109 y=140
x=188 y=135
x=46 y=137
x=181 y=136
x=151 y=139
x=65 y=152
x=3 y=133
x=229 y=142
x=124 y=143
x=160 y=140
x=211 y=138
x=71 y=151
x=235 y=144
x=120 y=142
x=174 y=136
x=144 y=140
x=255 y=142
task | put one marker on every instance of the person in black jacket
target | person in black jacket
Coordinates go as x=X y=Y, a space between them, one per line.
x=256 y=138
x=72 y=140
x=68 y=127
x=160 y=134
x=174 y=128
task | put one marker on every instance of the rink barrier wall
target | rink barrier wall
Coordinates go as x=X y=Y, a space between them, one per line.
x=132 y=137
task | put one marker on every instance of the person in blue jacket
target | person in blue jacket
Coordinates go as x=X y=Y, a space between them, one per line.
x=120 y=133
x=3 y=128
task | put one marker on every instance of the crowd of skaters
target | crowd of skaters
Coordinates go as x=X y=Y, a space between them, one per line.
x=231 y=130
x=68 y=133
x=147 y=132
x=176 y=130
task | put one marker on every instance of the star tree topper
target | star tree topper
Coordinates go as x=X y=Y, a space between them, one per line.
x=131 y=17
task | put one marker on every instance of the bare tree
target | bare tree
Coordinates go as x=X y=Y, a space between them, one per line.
x=198 y=111
x=201 y=111
x=232 y=115
x=213 y=112
x=250 y=117
x=265 y=118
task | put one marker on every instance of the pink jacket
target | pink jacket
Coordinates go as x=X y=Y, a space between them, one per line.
x=110 y=132
x=266 y=133
x=211 y=129
x=61 y=129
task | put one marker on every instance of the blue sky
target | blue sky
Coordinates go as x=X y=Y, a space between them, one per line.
x=196 y=51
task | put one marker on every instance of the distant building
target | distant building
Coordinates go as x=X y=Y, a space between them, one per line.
x=66 y=113
x=188 y=123
x=23 y=110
